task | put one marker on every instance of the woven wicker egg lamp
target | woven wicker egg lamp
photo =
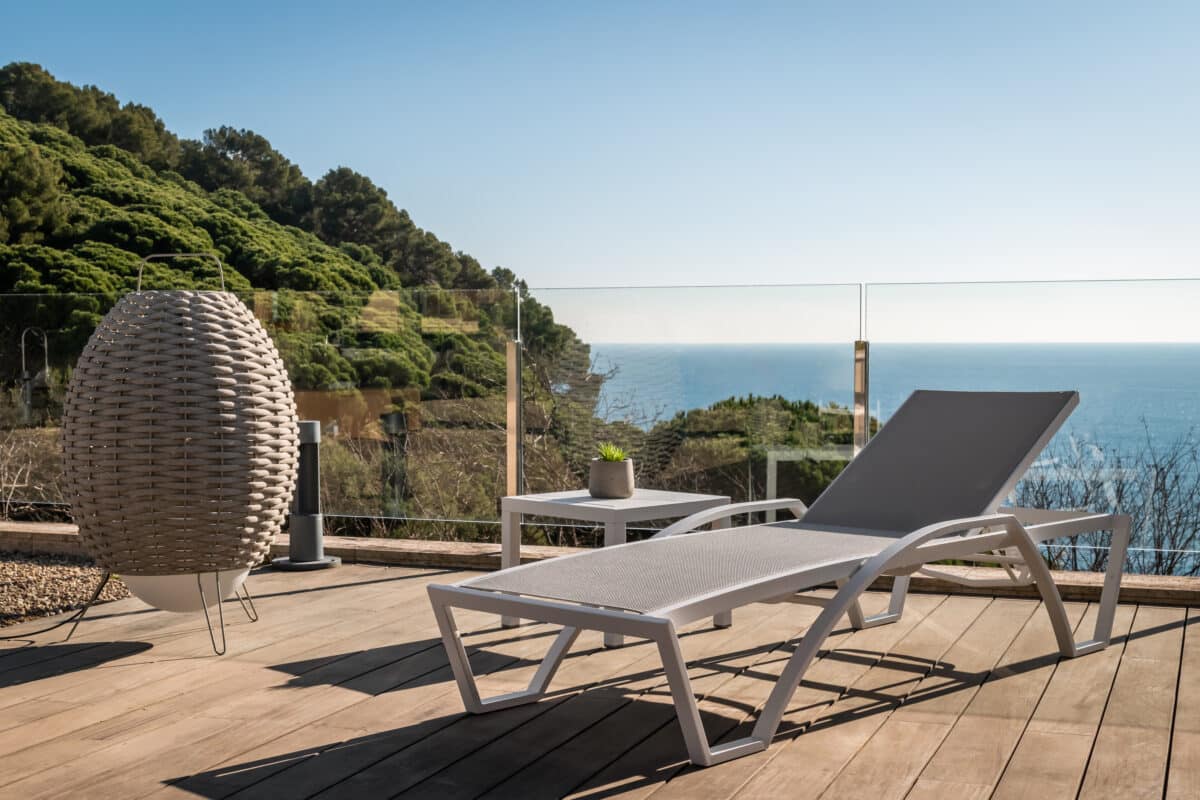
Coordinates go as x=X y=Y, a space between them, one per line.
x=180 y=445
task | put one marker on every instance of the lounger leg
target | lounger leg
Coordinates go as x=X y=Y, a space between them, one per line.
x=1052 y=600
x=781 y=695
x=688 y=712
x=614 y=534
x=457 y=655
x=785 y=687
x=895 y=602
x=510 y=552
x=846 y=601
x=552 y=661
x=725 y=618
x=685 y=702
x=1122 y=530
x=859 y=621
x=460 y=665
x=1102 y=634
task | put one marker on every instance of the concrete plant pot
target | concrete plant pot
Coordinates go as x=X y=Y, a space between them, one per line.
x=611 y=480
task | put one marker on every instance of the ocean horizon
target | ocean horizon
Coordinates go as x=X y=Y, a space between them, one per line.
x=1129 y=393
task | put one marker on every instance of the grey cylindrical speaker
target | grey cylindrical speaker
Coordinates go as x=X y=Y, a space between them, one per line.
x=306 y=529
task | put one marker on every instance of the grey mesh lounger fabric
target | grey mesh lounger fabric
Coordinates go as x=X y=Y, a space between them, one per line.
x=927 y=487
x=662 y=573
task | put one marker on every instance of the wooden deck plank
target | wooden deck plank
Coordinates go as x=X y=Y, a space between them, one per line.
x=642 y=770
x=194 y=671
x=184 y=635
x=1183 y=777
x=1129 y=757
x=1052 y=754
x=124 y=780
x=343 y=687
x=185 y=654
x=804 y=766
x=132 y=616
x=280 y=760
x=205 y=750
x=24 y=713
x=193 y=686
x=972 y=756
x=890 y=761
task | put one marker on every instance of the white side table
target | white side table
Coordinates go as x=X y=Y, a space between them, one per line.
x=578 y=505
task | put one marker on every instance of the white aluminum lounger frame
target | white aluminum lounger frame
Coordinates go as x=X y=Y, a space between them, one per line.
x=1009 y=537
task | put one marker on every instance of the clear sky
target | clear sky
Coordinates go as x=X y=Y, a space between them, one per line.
x=1068 y=311
x=662 y=143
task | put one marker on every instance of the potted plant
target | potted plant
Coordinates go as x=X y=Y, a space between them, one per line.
x=611 y=475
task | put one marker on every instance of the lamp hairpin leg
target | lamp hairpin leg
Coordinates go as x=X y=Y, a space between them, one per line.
x=248 y=603
x=83 y=611
x=220 y=614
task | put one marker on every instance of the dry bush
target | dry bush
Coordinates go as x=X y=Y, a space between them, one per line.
x=1158 y=485
x=350 y=476
x=30 y=468
x=454 y=474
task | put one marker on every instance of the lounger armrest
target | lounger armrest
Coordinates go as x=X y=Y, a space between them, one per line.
x=1040 y=516
x=1045 y=525
x=691 y=523
x=905 y=546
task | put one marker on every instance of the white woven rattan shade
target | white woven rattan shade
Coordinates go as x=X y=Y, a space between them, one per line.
x=179 y=436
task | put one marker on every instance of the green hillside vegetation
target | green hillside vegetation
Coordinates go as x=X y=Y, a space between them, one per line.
x=88 y=187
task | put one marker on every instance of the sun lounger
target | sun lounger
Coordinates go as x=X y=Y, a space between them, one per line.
x=928 y=487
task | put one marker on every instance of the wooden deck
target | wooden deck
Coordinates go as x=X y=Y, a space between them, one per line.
x=342 y=690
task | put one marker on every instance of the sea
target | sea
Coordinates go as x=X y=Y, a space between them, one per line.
x=1130 y=394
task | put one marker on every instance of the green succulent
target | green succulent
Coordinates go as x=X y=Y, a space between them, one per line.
x=610 y=452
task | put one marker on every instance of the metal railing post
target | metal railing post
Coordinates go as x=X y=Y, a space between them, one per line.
x=514 y=423
x=862 y=377
x=862 y=394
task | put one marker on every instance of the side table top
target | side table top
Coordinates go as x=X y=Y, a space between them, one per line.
x=644 y=504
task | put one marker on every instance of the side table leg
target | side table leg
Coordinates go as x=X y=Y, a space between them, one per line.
x=725 y=618
x=510 y=552
x=614 y=533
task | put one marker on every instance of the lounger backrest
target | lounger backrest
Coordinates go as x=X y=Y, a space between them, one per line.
x=942 y=456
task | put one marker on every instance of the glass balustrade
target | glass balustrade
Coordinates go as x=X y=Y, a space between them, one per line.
x=747 y=391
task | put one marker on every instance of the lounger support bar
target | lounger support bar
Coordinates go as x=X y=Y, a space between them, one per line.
x=694 y=521
x=992 y=531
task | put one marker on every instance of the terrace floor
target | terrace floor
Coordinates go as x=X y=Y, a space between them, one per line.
x=342 y=690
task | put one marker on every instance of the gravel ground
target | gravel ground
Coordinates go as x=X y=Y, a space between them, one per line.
x=43 y=585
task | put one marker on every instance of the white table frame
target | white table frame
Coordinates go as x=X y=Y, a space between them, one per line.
x=615 y=515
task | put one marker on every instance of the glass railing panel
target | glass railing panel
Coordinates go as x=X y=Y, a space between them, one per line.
x=739 y=391
x=408 y=386
x=1132 y=351
x=41 y=336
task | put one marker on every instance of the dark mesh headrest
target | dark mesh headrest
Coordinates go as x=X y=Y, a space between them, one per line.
x=943 y=455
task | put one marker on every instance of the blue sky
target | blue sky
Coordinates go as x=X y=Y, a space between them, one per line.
x=664 y=143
